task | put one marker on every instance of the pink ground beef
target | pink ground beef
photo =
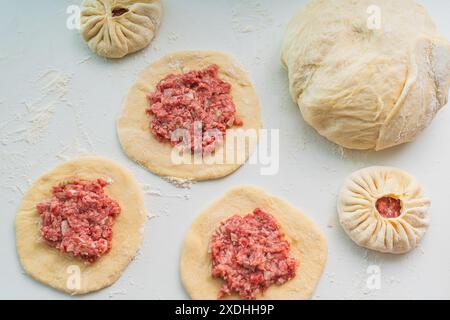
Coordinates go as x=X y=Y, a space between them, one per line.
x=198 y=97
x=389 y=207
x=250 y=253
x=78 y=220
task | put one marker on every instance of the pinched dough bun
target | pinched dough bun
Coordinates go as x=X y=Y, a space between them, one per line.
x=308 y=245
x=133 y=125
x=115 y=28
x=363 y=87
x=46 y=264
x=361 y=220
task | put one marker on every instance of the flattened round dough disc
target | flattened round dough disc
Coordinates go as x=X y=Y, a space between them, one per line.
x=45 y=263
x=133 y=125
x=308 y=245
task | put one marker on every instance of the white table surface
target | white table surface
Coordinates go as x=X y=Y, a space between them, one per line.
x=59 y=100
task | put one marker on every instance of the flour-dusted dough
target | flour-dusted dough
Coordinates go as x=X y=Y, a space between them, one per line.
x=114 y=36
x=45 y=263
x=133 y=125
x=362 y=87
x=361 y=220
x=308 y=245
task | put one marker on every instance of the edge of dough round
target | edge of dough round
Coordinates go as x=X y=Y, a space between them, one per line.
x=45 y=264
x=133 y=124
x=308 y=245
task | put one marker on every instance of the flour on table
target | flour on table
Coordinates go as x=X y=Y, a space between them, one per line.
x=51 y=87
x=173 y=36
x=117 y=292
x=72 y=150
x=249 y=16
x=179 y=182
x=84 y=60
x=148 y=190
x=331 y=277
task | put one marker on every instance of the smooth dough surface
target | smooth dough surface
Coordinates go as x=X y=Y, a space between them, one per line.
x=366 y=227
x=45 y=263
x=116 y=36
x=308 y=245
x=363 y=85
x=133 y=125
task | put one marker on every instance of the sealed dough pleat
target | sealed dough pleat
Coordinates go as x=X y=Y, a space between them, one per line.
x=115 y=28
x=367 y=207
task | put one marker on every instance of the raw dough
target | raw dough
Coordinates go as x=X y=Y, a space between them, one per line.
x=115 y=28
x=45 y=263
x=362 y=87
x=362 y=222
x=308 y=245
x=133 y=125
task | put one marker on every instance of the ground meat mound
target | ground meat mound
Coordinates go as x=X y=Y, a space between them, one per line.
x=79 y=218
x=250 y=253
x=196 y=98
x=388 y=207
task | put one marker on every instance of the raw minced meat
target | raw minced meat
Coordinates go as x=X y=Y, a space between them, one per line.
x=189 y=100
x=250 y=253
x=79 y=218
x=389 y=207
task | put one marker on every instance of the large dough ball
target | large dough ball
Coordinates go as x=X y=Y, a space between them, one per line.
x=115 y=28
x=363 y=87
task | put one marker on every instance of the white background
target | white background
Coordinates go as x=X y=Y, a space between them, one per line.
x=42 y=124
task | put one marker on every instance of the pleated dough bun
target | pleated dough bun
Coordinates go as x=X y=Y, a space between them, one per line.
x=362 y=85
x=115 y=28
x=362 y=220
